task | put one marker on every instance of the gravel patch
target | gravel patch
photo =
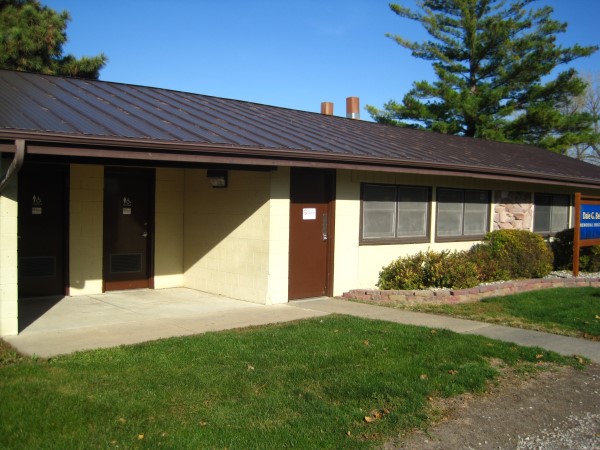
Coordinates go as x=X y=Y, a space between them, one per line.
x=578 y=431
x=550 y=410
x=569 y=274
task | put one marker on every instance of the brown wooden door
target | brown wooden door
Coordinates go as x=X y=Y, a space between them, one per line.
x=128 y=228
x=311 y=233
x=42 y=229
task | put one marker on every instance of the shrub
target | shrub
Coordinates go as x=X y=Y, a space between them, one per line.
x=403 y=273
x=488 y=267
x=517 y=254
x=504 y=255
x=450 y=270
x=562 y=247
x=429 y=269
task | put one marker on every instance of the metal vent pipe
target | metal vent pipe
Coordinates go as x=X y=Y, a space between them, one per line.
x=327 y=108
x=352 y=108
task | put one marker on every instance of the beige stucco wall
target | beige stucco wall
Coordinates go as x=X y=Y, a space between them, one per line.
x=227 y=234
x=358 y=266
x=279 y=237
x=9 y=324
x=86 y=229
x=168 y=228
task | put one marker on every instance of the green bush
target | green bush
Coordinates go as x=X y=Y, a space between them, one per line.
x=403 y=273
x=504 y=255
x=518 y=254
x=562 y=247
x=429 y=269
x=489 y=268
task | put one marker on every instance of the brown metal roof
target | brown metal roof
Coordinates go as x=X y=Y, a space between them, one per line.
x=97 y=118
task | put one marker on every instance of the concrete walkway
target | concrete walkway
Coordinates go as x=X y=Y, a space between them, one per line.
x=59 y=326
x=99 y=321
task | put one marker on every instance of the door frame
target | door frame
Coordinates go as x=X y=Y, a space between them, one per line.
x=329 y=262
x=331 y=233
x=150 y=246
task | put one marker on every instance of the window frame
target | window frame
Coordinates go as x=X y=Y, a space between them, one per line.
x=395 y=240
x=549 y=233
x=462 y=237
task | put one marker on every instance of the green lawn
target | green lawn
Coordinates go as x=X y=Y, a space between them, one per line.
x=567 y=311
x=308 y=384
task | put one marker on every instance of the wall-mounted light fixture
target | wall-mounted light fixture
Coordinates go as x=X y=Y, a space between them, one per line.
x=217 y=178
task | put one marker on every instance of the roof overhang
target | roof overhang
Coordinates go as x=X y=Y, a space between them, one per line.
x=193 y=153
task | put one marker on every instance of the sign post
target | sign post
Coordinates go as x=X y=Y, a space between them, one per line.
x=587 y=226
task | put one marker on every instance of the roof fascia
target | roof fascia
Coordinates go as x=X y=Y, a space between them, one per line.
x=193 y=152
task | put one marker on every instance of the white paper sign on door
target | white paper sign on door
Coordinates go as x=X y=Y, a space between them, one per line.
x=309 y=213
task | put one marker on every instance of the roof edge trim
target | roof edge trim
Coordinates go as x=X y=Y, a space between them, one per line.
x=181 y=151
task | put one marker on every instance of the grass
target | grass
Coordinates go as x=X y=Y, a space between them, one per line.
x=566 y=311
x=308 y=384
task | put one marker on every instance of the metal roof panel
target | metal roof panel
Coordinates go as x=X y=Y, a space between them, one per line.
x=84 y=108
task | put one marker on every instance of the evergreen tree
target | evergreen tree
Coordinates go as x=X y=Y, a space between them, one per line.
x=32 y=38
x=494 y=64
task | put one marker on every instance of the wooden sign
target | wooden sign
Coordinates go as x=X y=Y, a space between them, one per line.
x=587 y=226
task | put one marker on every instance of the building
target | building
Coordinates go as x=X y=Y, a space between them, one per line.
x=112 y=186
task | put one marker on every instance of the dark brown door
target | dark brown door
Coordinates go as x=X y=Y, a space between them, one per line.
x=128 y=227
x=42 y=229
x=311 y=237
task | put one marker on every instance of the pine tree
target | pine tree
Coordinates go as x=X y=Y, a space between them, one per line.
x=32 y=38
x=494 y=64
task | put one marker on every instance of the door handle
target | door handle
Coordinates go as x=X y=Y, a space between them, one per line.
x=324 y=226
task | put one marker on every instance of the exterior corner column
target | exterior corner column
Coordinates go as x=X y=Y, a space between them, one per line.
x=9 y=294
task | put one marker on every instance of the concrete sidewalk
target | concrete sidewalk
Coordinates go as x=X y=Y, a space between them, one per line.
x=129 y=317
x=563 y=345
x=80 y=323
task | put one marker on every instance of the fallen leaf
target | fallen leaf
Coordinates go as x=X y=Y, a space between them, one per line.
x=597 y=317
x=366 y=342
x=140 y=437
x=202 y=423
x=122 y=420
x=453 y=372
x=539 y=356
x=579 y=359
x=348 y=433
x=433 y=331
x=376 y=414
x=163 y=434
x=250 y=367
x=423 y=376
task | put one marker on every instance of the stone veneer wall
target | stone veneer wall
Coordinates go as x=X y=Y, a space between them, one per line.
x=474 y=294
x=513 y=211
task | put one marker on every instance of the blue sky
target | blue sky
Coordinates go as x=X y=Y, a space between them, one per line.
x=293 y=54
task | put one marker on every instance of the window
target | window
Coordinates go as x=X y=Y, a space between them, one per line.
x=395 y=213
x=462 y=213
x=551 y=213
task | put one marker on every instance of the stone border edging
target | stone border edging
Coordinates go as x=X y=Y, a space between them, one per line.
x=473 y=294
